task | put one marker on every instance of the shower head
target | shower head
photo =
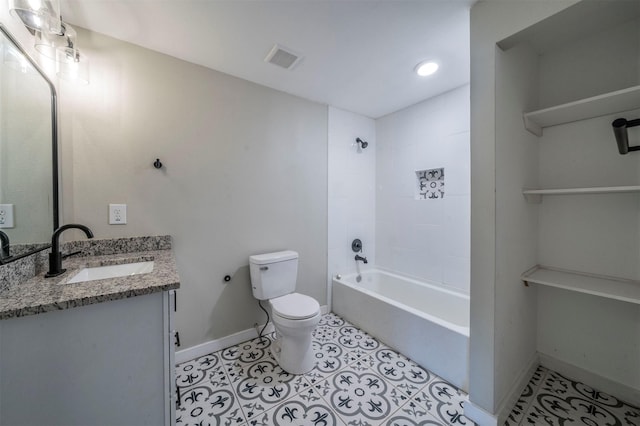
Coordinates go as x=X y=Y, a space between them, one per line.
x=363 y=144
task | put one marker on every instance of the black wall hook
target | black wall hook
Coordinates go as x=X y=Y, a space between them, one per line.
x=157 y=164
x=620 y=126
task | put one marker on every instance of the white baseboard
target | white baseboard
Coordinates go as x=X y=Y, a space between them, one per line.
x=604 y=384
x=484 y=418
x=518 y=386
x=211 y=346
x=479 y=415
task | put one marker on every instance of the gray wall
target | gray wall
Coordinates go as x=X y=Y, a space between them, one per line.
x=246 y=172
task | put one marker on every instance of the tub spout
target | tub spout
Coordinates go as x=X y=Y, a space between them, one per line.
x=363 y=259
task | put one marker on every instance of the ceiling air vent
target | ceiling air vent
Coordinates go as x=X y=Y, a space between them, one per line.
x=282 y=57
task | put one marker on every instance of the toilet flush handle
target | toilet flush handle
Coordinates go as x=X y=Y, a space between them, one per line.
x=264 y=268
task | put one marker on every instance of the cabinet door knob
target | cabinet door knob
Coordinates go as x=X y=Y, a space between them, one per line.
x=264 y=268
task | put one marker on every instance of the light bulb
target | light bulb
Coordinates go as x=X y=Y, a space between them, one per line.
x=35 y=5
x=424 y=69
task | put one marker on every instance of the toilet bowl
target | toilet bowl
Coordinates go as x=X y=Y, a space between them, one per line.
x=294 y=315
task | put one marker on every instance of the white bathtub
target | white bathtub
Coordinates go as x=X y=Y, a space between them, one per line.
x=425 y=322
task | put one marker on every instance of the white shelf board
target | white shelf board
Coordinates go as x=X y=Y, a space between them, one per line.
x=596 y=106
x=534 y=195
x=597 y=285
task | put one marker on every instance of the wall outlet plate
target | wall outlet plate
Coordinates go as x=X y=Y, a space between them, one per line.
x=6 y=215
x=117 y=214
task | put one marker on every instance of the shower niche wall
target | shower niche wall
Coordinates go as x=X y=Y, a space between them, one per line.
x=567 y=202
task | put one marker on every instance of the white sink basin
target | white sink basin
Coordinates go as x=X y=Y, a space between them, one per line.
x=111 y=271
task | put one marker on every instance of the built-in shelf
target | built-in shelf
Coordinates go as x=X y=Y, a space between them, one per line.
x=596 y=106
x=597 y=285
x=535 y=195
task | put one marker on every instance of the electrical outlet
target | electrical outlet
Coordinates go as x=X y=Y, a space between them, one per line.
x=117 y=214
x=6 y=215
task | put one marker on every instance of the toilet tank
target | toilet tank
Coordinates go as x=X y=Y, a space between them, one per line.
x=273 y=274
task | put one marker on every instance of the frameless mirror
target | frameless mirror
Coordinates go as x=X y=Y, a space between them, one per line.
x=28 y=153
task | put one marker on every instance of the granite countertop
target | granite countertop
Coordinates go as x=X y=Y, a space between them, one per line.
x=38 y=294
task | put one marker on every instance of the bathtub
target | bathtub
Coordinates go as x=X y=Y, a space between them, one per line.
x=423 y=321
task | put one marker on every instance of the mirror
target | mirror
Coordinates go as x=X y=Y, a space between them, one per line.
x=28 y=153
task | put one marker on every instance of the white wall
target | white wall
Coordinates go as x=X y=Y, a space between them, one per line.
x=593 y=234
x=570 y=71
x=245 y=173
x=351 y=194
x=427 y=239
x=491 y=21
x=516 y=220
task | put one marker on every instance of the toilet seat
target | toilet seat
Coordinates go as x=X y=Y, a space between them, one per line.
x=295 y=306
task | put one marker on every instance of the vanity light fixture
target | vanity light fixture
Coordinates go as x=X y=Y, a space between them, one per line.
x=54 y=38
x=47 y=43
x=72 y=66
x=38 y=15
x=426 y=68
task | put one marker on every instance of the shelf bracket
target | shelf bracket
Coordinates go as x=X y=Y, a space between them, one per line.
x=526 y=274
x=532 y=126
x=532 y=198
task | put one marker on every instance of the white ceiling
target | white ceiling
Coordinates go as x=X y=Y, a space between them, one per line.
x=359 y=55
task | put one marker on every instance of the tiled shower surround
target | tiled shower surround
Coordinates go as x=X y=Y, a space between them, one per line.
x=357 y=380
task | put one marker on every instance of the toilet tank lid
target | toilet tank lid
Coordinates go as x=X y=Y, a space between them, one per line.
x=278 y=256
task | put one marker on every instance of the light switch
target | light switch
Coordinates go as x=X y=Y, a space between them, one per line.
x=6 y=215
x=117 y=214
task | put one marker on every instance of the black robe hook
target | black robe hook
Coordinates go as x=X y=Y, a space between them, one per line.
x=157 y=164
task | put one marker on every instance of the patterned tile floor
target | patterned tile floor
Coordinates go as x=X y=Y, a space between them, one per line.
x=356 y=381
x=552 y=399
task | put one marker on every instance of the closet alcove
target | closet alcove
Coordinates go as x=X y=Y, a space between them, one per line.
x=567 y=201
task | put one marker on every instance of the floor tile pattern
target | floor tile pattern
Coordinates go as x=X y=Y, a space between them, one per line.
x=357 y=381
x=552 y=399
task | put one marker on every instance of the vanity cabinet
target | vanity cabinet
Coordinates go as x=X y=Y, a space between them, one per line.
x=109 y=363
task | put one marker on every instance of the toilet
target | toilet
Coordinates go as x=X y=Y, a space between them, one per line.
x=294 y=315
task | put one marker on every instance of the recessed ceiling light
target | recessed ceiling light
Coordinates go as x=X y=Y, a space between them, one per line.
x=426 y=68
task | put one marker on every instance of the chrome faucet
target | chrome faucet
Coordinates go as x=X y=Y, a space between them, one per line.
x=363 y=259
x=55 y=257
